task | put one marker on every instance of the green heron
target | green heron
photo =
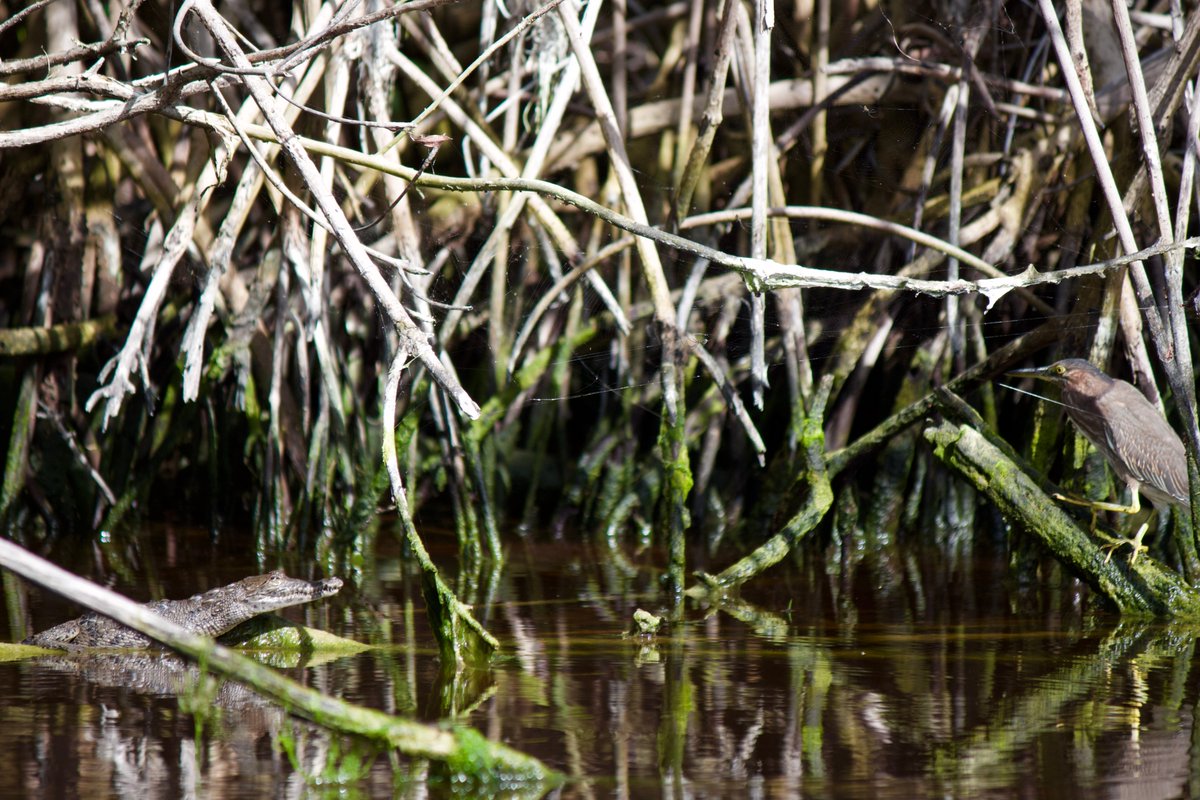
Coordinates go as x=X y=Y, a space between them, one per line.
x=1129 y=431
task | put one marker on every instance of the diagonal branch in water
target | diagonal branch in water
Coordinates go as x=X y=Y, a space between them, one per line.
x=460 y=636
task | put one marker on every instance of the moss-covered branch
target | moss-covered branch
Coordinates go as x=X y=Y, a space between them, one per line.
x=1145 y=587
x=66 y=337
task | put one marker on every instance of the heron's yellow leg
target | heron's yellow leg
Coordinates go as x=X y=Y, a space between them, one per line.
x=1134 y=507
x=1100 y=505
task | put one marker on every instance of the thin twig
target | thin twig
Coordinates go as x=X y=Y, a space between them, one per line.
x=760 y=151
x=767 y=273
x=651 y=265
x=1104 y=174
x=408 y=331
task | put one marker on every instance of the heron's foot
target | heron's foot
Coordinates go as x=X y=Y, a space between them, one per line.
x=1136 y=543
x=1113 y=547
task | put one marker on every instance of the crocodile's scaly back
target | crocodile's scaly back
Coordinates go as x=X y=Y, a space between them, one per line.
x=211 y=613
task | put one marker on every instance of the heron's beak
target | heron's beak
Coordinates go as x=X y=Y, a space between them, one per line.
x=1032 y=372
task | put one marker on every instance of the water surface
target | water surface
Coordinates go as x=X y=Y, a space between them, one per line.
x=943 y=681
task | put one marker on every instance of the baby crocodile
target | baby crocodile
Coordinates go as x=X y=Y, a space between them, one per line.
x=211 y=613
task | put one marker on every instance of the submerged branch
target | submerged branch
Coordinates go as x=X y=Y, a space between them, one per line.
x=820 y=498
x=461 y=639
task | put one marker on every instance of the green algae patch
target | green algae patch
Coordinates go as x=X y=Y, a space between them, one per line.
x=16 y=652
x=484 y=766
x=272 y=632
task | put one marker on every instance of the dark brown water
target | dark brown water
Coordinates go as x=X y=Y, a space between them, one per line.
x=941 y=682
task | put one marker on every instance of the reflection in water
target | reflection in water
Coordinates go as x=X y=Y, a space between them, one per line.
x=806 y=686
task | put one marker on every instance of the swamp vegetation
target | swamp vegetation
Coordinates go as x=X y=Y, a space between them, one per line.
x=700 y=286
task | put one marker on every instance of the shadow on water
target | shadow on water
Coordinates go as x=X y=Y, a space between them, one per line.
x=799 y=689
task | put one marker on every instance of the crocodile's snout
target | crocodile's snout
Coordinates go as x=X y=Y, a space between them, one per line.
x=326 y=588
